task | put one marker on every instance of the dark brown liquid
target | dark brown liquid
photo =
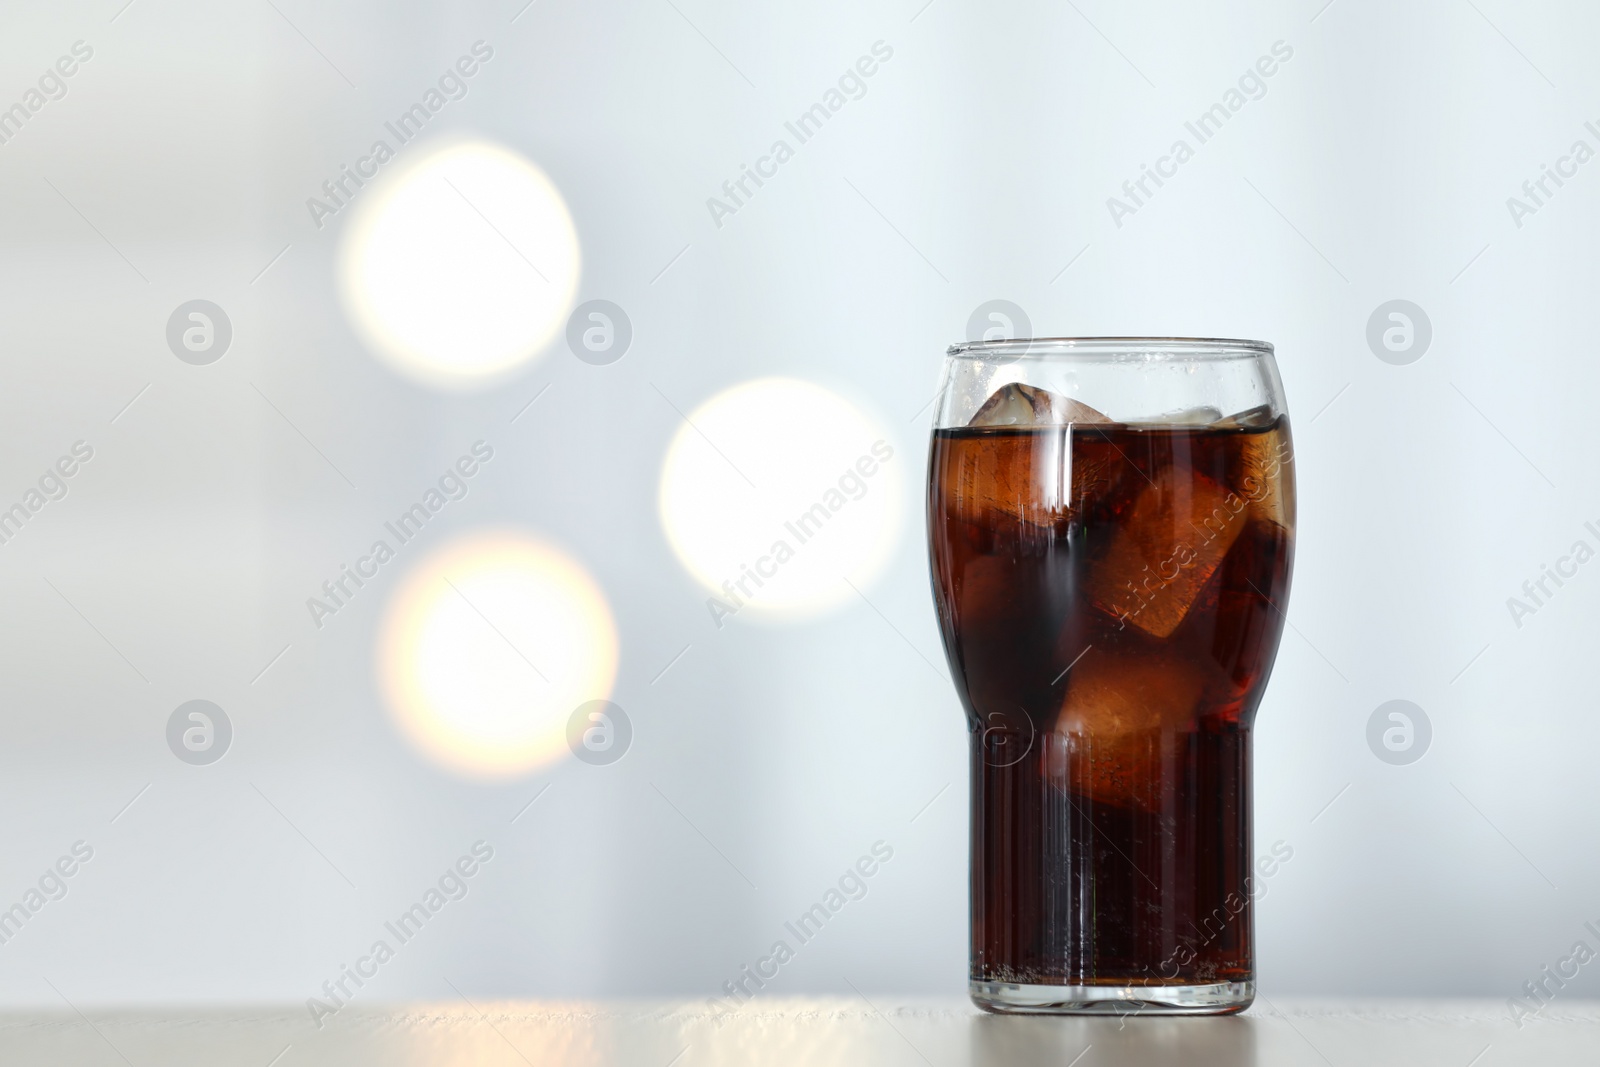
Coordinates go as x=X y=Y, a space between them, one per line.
x=1111 y=801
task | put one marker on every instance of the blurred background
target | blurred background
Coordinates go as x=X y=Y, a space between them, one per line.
x=576 y=341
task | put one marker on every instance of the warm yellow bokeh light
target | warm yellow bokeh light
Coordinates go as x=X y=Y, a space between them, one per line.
x=487 y=648
x=460 y=265
x=777 y=495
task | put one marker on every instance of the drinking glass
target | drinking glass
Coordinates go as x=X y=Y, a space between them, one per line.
x=1111 y=523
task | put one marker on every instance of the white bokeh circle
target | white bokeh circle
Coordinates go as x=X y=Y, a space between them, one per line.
x=487 y=646
x=460 y=265
x=777 y=495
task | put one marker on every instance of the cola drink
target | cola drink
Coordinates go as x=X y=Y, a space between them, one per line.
x=1111 y=599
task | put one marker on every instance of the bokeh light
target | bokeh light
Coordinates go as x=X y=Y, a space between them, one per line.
x=777 y=495
x=459 y=266
x=487 y=647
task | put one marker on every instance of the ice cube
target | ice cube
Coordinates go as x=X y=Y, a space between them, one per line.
x=1266 y=477
x=1040 y=478
x=1015 y=404
x=1256 y=418
x=1165 y=550
x=1112 y=694
x=1205 y=415
x=1121 y=712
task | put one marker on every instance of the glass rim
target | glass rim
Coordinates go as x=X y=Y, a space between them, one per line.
x=1194 y=347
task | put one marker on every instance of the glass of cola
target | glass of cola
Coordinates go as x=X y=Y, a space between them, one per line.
x=1111 y=525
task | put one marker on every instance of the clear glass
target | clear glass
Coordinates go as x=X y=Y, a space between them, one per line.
x=1111 y=526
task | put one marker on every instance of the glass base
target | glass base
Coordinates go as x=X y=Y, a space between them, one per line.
x=1008 y=998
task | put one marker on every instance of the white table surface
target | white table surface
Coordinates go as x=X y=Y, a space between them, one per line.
x=821 y=1031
